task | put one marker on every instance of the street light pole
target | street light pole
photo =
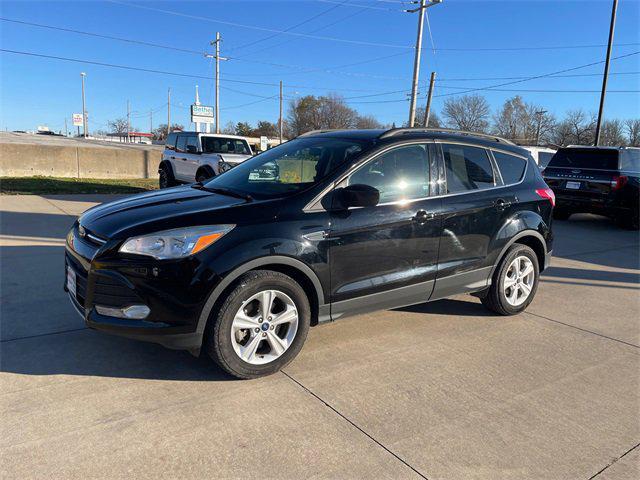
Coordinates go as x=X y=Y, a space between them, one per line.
x=612 y=27
x=84 y=109
x=416 y=61
x=280 y=121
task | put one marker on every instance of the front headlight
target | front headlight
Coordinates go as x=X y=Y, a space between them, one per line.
x=177 y=243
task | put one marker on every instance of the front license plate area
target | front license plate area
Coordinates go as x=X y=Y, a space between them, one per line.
x=71 y=281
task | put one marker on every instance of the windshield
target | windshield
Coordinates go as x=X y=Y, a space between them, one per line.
x=596 y=158
x=290 y=167
x=225 y=145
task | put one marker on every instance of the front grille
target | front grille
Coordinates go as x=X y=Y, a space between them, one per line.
x=112 y=292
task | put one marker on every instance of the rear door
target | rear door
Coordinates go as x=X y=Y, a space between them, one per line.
x=472 y=212
x=179 y=158
x=386 y=256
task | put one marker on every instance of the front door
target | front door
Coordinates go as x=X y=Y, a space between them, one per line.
x=386 y=256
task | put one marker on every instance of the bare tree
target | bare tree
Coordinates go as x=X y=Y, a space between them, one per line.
x=434 y=120
x=469 y=112
x=613 y=133
x=523 y=122
x=577 y=128
x=265 y=128
x=229 y=128
x=633 y=131
x=119 y=125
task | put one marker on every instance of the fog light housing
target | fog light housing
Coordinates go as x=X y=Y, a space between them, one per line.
x=132 y=312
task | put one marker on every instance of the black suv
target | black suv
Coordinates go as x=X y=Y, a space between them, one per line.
x=239 y=267
x=602 y=180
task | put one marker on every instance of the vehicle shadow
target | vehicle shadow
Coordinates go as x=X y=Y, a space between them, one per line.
x=450 y=306
x=85 y=352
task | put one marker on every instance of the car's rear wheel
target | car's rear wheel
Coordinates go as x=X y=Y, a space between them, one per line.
x=166 y=178
x=260 y=327
x=515 y=281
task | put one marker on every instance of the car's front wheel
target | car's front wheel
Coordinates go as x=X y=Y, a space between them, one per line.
x=515 y=281
x=261 y=325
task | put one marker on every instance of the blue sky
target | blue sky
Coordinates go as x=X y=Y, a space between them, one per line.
x=313 y=58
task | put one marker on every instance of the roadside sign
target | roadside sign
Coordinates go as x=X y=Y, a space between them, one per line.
x=201 y=114
x=264 y=143
x=77 y=120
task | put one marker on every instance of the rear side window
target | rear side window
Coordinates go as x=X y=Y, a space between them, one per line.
x=399 y=174
x=594 y=158
x=630 y=160
x=511 y=167
x=170 y=143
x=192 y=141
x=181 y=144
x=467 y=168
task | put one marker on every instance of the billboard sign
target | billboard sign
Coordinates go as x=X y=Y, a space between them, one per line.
x=77 y=119
x=201 y=114
x=264 y=143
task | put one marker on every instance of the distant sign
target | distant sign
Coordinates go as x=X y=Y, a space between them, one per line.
x=77 y=120
x=264 y=143
x=201 y=114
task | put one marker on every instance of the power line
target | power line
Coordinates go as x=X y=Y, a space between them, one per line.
x=304 y=22
x=264 y=29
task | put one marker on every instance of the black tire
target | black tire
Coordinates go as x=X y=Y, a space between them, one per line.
x=218 y=344
x=204 y=174
x=495 y=298
x=166 y=178
x=560 y=213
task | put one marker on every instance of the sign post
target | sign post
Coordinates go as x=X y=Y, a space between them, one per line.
x=264 y=143
x=202 y=114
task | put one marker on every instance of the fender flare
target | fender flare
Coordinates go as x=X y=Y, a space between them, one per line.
x=252 y=265
x=522 y=234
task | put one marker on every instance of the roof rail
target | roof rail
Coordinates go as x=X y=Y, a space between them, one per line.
x=401 y=131
x=313 y=132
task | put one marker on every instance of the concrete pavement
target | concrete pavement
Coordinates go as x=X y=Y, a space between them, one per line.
x=440 y=391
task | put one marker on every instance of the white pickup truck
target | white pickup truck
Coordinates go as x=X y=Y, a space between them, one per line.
x=194 y=157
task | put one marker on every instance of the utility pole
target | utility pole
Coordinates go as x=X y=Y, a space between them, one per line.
x=66 y=131
x=280 y=121
x=150 y=121
x=612 y=27
x=128 y=121
x=539 y=114
x=217 y=56
x=427 y=110
x=168 y=111
x=416 y=61
x=84 y=109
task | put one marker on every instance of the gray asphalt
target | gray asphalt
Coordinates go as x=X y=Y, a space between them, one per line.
x=444 y=390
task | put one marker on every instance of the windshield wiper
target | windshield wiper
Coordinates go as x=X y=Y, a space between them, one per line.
x=223 y=191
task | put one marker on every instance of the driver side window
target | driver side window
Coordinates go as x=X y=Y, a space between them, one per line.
x=399 y=174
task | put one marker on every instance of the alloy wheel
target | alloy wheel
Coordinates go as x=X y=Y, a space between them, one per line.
x=519 y=280
x=264 y=327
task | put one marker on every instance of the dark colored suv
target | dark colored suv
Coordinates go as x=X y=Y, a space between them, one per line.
x=347 y=222
x=602 y=180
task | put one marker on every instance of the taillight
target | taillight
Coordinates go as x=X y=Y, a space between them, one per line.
x=619 y=181
x=548 y=194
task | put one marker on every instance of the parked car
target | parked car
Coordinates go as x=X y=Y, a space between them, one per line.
x=195 y=157
x=602 y=180
x=541 y=155
x=239 y=267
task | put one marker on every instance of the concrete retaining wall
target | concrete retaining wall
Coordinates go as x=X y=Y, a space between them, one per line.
x=26 y=160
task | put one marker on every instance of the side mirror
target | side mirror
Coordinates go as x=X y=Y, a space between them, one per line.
x=192 y=149
x=359 y=195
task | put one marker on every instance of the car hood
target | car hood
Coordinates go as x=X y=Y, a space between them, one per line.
x=233 y=157
x=159 y=210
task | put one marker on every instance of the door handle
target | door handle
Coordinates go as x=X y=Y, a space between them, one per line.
x=422 y=216
x=502 y=204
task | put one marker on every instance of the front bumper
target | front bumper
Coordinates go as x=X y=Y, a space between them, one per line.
x=171 y=291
